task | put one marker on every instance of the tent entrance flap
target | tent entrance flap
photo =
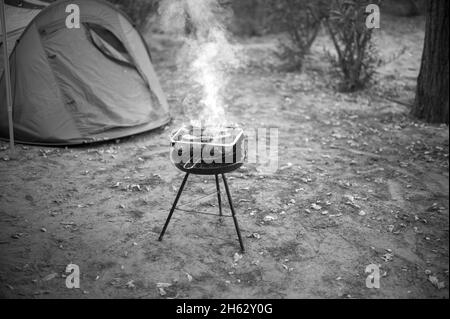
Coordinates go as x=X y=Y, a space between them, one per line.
x=108 y=44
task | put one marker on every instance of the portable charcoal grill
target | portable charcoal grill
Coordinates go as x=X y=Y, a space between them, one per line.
x=207 y=151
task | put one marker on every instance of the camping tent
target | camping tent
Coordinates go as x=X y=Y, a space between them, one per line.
x=77 y=85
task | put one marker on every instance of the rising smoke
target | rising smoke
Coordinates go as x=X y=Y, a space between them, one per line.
x=207 y=55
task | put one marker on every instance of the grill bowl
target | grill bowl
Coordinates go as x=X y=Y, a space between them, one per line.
x=219 y=157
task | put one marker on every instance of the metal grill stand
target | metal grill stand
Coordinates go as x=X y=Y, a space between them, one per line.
x=233 y=213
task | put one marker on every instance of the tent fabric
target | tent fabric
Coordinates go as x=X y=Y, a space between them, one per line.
x=73 y=86
x=17 y=20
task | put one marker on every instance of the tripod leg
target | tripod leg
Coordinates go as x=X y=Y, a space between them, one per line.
x=173 y=206
x=233 y=213
x=218 y=195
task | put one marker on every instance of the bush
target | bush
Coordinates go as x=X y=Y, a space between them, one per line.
x=301 y=20
x=250 y=18
x=139 y=11
x=356 y=58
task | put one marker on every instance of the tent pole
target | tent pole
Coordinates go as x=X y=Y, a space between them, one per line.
x=7 y=78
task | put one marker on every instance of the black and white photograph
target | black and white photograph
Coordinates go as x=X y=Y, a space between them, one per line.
x=230 y=151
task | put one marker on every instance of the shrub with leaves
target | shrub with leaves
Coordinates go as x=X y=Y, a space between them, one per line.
x=301 y=20
x=139 y=11
x=356 y=58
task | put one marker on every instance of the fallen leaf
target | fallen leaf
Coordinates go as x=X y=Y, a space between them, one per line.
x=162 y=292
x=282 y=168
x=435 y=281
x=116 y=185
x=349 y=198
x=163 y=285
x=387 y=257
x=135 y=187
x=269 y=218
x=130 y=284
x=254 y=235
x=50 y=276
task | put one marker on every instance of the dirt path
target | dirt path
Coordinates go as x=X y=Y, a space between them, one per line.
x=367 y=184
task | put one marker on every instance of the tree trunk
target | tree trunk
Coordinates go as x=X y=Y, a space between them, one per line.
x=432 y=91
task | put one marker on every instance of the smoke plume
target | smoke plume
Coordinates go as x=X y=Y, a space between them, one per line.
x=207 y=55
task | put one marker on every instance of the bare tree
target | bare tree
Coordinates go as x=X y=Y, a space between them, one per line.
x=432 y=91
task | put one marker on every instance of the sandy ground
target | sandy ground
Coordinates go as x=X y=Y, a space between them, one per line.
x=366 y=184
